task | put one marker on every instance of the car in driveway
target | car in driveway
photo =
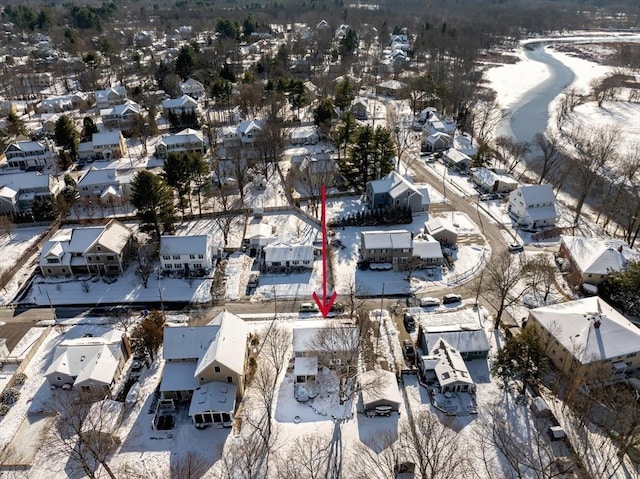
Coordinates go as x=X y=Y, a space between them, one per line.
x=515 y=248
x=408 y=350
x=451 y=298
x=409 y=322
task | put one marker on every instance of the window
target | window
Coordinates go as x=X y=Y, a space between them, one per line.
x=58 y=378
x=176 y=256
x=229 y=379
x=192 y=256
x=53 y=260
x=200 y=256
x=166 y=256
x=99 y=248
x=197 y=265
x=632 y=355
x=49 y=270
x=216 y=369
x=63 y=270
x=110 y=257
x=177 y=266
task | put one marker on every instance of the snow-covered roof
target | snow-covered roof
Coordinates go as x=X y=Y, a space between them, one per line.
x=178 y=376
x=537 y=194
x=185 y=136
x=427 y=249
x=317 y=166
x=187 y=343
x=303 y=132
x=598 y=256
x=386 y=387
x=450 y=368
x=215 y=396
x=395 y=239
x=590 y=329
x=170 y=245
x=305 y=366
x=103 y=95
x=25 y=180
x=305 y=333
x=90 y=359
x=120 y=110
x=8 y=193
x=462 y=340
x=487 y=177
x=455 y=156
x=183 y=101
x=27 y=146
x=107 y=138
x=440 y=225
x=104 y=176
x=392 y=85
x=394 y=184
x=280 y=252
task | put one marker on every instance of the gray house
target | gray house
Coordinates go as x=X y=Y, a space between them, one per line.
x=396 y=191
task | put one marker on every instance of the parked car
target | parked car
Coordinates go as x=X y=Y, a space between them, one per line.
x=516 y=248
x=254 y=279
x=409 y=322
x=428 y=301
x=337 y=308
x=308 y=308
x=408 y=350
x=451 y=298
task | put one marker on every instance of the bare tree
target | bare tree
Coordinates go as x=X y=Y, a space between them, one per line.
x=525 y=450
x=437 y=447
x=145 y=262
x=245 y=456
x=305 y=459
x=510 y=152
x=353 y=296
x=338 y=347
x=539 y=275
x=549 y=145
x=502 y=275
x=224 y=214
x=485 y=118
x=403 y=137
x=595 y=149
x=189 y=466
x=378 y=457
x=6 y=225
x=83 y=436
x=275 y=347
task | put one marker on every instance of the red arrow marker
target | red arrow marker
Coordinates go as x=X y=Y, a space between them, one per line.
x=325 y=303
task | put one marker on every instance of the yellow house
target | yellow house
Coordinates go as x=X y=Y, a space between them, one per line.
x=588 y=338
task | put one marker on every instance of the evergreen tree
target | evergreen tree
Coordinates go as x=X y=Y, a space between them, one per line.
x=362 y=159
x=345 y=93
x=622 y=288
x=384 y=152
x=344 y=132
x=153 y=198
x=185 y=62
x=15 y=125
x=323 y=114
x=88 y=128
x=66 y=135
x=521 y=360
x=177 y=174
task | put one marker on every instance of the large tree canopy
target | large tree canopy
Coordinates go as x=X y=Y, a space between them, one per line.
x=153 y=198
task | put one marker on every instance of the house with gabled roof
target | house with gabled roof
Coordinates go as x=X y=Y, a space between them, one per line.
x=394 y=247
x=360 y=108
x=587 y=338
x=193 y=88
x=442 y=230
x=112 y=96
x=87 y=250
x=492 y=181
x=470 y=343
x=178 y=106
x=437 y=141
x=394 y=191
x=29 y=155
x=591 y=260
x=193 y=255
x=92 y=364
x=185 y=141
x=205 y=365
x=427 y=253
x=108 y=145
x=288 y=256
x=120 y=116
x=445 y=364
x=107 y=185
x=533 y=206
x=19 y=190
x=390 y=88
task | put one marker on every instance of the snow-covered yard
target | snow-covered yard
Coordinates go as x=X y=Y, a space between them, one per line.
x=13 y=245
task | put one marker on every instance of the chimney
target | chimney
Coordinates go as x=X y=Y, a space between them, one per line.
x=596 y=324
x=620 y=249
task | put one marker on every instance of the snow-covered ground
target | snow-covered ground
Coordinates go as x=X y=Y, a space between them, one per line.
x=13 y=245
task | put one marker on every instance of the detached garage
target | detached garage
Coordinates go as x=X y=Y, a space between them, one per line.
x=379 y=389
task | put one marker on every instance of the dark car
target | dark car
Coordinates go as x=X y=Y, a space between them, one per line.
x=408 y=350
x=409 y=322
x=516 y=248
x=451 y=298
x=337 y=308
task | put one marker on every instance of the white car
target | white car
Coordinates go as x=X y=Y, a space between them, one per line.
x=428 y=301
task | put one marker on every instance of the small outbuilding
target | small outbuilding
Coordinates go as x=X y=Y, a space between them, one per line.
x=379 y=389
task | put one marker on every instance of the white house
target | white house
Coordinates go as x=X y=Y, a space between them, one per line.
x=193 y=88
x=304 y=135
x=437 y=141
x=456 y=159
x=259 y=234
x=185 y=141
x=427 y=253
x=288 y=256
x=185 y=104
x=120 y=116
x=111 y=96
x=445 y=364
x=192 y=254
x=19 y=190
x=533 y=206
x=108 y=185
x=205 y=365
x=591 y=260
x=29 y=154
x=588 y=338
x=394 y=190
x=93 y=364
